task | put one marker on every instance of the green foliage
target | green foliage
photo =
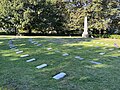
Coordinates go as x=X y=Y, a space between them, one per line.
x=59 y=16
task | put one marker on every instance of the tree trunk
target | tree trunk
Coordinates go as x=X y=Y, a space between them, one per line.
x=29 y=30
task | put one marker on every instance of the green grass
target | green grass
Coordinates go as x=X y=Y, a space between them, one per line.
x=16 y=74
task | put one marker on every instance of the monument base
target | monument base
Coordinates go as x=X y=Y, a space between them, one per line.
x=85 y=35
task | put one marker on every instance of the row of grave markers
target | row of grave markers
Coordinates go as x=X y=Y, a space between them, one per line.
x=61 y=74
x=13 y=47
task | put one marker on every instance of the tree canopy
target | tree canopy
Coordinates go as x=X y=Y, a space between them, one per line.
x=59 y=16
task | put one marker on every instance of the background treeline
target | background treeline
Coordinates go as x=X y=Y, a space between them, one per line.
x=57 y=17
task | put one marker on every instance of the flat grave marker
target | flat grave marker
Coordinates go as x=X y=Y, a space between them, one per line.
x=59 y=76
x=26 y=55
x=18 y=52
x=30 y=60
x=49 y=48
x=102 y=53
x=65 y=54
x=78 y=57
x=95 y=62
x=39 y=44
x=35 y=43
x=41 y=66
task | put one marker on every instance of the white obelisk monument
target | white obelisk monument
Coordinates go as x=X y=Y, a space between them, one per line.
x=85 y=33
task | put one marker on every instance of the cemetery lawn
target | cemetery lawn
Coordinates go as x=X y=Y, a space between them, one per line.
x=17 y=74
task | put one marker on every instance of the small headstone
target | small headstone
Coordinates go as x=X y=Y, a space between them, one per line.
x=95 y=62
x=101 y=53
x=19 y=52
x=78 y=57
x=36 y=43
x=59 y=76
x=49 y=48
x=65 y=54
x=32 y=41
x=39 y=44
x=26 y=55
x=30 y=60
x=111 y=49
x=41 y=66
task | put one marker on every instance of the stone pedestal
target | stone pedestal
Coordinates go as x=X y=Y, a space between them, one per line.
x=85 y=33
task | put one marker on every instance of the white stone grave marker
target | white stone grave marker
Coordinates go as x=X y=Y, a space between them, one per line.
x=101 y=53
x=26 y=55
x=19 y=52
x=65 y=54
x=59 y=76
x=41 y=66
x=30 y=60
x=35 y=43
x=49 y=48
x=95 y=62
x=39 y=44
x=78 y=57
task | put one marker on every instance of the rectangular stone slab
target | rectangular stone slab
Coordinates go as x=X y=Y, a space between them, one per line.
x=95 y=62
x=65 y=54
x=36 y=43
x=101 y=53
x=19 y=52
x=49 y=48
x=78 y=57
x=39 y=44
x=59 y=76
x=30 y=60
x=26 y=55
x=41 y=66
